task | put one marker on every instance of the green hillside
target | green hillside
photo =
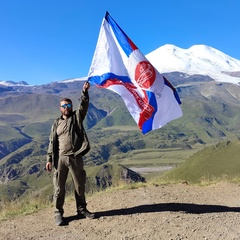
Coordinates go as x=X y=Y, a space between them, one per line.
x=216 y=162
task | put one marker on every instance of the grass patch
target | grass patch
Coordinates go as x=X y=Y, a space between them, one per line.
x=8 y=133
x=121 y=128
x=22 y=206
x=156 y=157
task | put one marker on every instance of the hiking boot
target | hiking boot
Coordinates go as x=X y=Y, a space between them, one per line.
x=85 y=213
x=59 y=220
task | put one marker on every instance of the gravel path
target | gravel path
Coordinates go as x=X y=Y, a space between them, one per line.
x=165 y=212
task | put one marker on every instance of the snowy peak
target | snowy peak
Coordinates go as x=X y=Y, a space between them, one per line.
x=198 y=59
x=215 y=58
x=12 y=83
x=74 y=79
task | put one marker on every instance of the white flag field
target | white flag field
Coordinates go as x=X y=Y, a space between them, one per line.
x=118 y=65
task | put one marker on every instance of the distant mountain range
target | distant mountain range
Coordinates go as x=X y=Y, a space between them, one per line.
x=198 y=59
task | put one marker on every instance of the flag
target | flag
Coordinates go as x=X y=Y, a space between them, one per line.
x=118 y=65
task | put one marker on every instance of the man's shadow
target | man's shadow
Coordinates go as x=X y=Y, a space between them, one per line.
x=163 y=207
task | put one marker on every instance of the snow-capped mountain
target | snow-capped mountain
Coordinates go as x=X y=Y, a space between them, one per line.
x=12 y=83
x=198 y=59
x=75 y=79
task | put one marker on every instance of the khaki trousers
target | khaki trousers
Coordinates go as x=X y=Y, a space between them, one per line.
x=75 y=166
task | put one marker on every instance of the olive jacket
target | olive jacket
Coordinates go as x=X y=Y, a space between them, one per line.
x=77 y=132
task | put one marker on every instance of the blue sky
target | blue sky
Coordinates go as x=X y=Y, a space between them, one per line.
x=43 y=41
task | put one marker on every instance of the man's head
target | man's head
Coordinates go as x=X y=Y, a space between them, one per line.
x=66 y=107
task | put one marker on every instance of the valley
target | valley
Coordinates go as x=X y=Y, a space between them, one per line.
x=210 y=116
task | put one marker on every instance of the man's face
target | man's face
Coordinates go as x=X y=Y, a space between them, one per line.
x=66 y=108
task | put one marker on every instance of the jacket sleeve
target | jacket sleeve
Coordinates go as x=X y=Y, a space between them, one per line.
x=83 y=105
x=50 y=146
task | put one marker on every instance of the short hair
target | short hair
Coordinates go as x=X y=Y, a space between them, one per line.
x=66 y=100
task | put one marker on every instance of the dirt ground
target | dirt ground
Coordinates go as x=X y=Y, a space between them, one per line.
x=166 y=212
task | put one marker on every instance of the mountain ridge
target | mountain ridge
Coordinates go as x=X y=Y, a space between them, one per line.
x=198 y=59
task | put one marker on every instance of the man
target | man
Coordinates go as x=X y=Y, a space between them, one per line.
x=68 y=142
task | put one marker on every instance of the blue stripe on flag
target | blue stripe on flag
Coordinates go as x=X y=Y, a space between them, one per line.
x=147 y=126
x=119 y=34
x=166 y=82
x=101 y=80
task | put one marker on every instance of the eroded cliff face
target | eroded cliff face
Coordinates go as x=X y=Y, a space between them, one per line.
x=106 y=176
x=9 y=170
